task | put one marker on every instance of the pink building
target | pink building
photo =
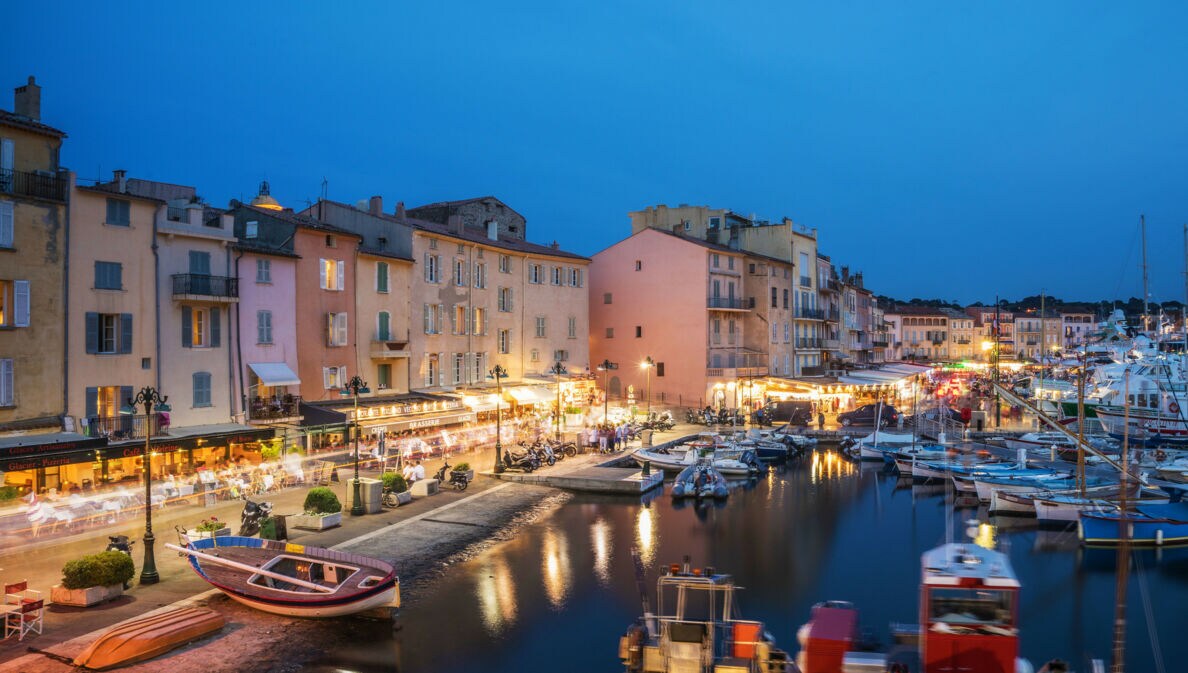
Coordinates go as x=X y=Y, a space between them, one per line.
x=682 y=302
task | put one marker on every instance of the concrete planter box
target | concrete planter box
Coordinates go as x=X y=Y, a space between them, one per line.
x=404 y=497
x=84 y=598
x=469 y=474
x=315 y=521
x=202 y=534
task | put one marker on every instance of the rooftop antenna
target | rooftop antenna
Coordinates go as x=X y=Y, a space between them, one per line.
x=325 y=188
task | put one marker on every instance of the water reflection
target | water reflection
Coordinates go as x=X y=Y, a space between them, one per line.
x=828 y=466
x=555 y=564
x=496 y=593
x=601 y=539
x=645 y=535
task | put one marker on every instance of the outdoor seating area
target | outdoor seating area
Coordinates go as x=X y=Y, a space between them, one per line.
x=23 y=610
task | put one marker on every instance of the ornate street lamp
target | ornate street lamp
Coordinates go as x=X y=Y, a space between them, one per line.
x=558 y=370
x=148 y=397
x=354 y=387
x=647 y=365
x=605 y=368
x=498 y=373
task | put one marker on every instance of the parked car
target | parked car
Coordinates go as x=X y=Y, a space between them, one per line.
x=953 y=415
x=795 y=412
x=865 y=415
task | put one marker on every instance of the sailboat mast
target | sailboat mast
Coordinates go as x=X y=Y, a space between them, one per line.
x=1122 y=567
x=1039 y=398
x=1184 y=308
x=1081 y=426
x=1146 y=292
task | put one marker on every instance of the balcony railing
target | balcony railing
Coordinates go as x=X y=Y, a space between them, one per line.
x=177 y=214
x=879 y=343
x=735 y=372
x=730 y=303
x=962 y=340
x=833 y=315
x=274 y=409
x=198 y=285
x=121 y=428
x=831 y=344
x=810 y=313
x=806 y=281
x=36 y=185
x=386 y=348
x=807 y=342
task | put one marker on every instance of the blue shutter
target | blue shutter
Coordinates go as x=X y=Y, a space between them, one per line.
x=92 y=332
x=125 y=333
x=187 y=327
x=93 y=402
x=214 y=326
x=200 y=263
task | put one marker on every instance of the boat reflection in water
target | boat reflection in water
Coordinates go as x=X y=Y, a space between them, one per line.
x=829 y=466
x=496 y=594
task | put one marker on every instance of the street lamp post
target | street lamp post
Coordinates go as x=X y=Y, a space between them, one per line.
x=605 y=368
x=148 y=397
x=353 y=387
x=558 y=370
x=647 y=365
x=498 y=373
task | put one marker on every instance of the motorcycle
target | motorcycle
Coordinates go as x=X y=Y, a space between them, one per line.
x=457 y=479
x=122 y=544
x=526 y=461
x=252 y=516
x=693 y=418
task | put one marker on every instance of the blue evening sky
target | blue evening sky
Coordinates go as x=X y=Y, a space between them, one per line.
x=947 y=149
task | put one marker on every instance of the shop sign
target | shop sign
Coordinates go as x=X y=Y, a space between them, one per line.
x=44 y=461
x=58 y=447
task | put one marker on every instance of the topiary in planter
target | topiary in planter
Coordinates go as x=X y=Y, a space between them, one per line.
x=461 y=467
x=98 y=570
x=322 y=500
x=395 y=482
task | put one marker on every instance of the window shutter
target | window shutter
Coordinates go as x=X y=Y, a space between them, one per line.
x=93 y=402
x=425 y=370
x=427 y=319
x=326 y=377
x=92 y=332
x=21 y=294
x=341 y=329
x=214 y=326
x=381 y=277
x=187 y=327
x=329 y=329
x=322 y=273
x=6 y=217
x=454 y=322
x=125 y=333
x=6 y=382
x=383 y=327
x=199 y=263
x=341 y=268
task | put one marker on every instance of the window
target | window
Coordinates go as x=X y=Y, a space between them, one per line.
x=638 y=331
x=6 y=219
x=202 y=389
x=575 y=277
x=480 y=275
x=381 y=277
x=199 y=263
x=432 y=370
x=606 y=298
x=251 y=229
x=556 y=275
x=433 y=244
x=200 y=327
x=730 y=263
x=504 y=341
x=433 y=318
x=109 y=333
x=119 y=212
x=534 y=274
x=785 y=299
x=505 y=299
x=639 y=265
x=610 y=332
x=714 y=222
x=480 y=321
x=460 y=326
x=534 y=355
x=540 y=327
x=505 y=264
x=333 y=274
x=6 y=382
x=688 y=225
x=572 y=327
x=383 y=376
x=775 y=332
x=383 y=326
x=263 y=271
x=333 y=377
x=716 y=262
x=460 y=272
x=109 y=276
x=263 y=327
x=336 y=329
x=146 y=363
x=561 y=355
x=775 y=298
x=331 y=242
x=459 y=368
x=659 y=369
x=432 y=268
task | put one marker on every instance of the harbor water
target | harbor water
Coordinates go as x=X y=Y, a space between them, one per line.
x=560 y=592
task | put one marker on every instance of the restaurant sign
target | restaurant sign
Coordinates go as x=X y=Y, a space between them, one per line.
x=42 y=461
x=30 y=450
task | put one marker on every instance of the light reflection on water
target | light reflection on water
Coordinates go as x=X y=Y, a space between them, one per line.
x=602 y=540
x=558 y=573
x=828 y=465
x=645 y=535
x=496 y=593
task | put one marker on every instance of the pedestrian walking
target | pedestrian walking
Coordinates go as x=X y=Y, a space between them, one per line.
x=821 y=420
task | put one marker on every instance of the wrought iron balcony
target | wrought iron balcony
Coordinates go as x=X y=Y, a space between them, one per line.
x=123 y=427
x=730 y=303
x=807 y=342
x=266 y=410
x=202 y=287
x=810 y=313
x=36 y=185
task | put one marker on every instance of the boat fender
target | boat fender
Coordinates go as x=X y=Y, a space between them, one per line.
x=1173 y=407
x=635 y=647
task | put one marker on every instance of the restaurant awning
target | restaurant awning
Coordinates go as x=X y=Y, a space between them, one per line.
x=481 y=403
x=420 y=421
x=275 y=374
x=530 y=394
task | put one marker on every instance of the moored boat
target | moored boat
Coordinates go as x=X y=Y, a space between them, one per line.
x=292 y=579
x=700 y=480
x=1152 y=524
x=148 y=637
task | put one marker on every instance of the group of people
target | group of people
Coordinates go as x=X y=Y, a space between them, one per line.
x=413 y=471
x=606 y=437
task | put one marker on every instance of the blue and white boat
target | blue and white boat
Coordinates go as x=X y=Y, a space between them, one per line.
x=700 y=480
x=1156 y=524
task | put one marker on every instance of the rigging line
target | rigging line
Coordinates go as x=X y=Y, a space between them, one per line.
x=1149 y=612
x=1125 y=264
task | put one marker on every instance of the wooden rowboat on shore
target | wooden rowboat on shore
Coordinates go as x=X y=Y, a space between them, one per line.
x=148 y=637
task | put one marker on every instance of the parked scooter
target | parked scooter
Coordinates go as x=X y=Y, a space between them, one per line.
x=527 y=460
x=122 y=544
x=457 y=479
x=252 y=516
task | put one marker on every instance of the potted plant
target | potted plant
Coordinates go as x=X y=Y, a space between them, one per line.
x=464 y=468
x=322 y=510
x=211 y=527
x=395 y=482
x=93 y=579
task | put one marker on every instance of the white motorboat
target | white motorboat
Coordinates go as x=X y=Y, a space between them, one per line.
x=732 y=463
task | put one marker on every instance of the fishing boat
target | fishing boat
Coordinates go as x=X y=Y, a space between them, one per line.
x=1024 y=503
x=700 y=480
x=1063 y=510
x=696 y=629
x=1153 y=524
x=876 y=446
x=732 y=463
x=292 y=579
x=148 y=637
x=1052 y=481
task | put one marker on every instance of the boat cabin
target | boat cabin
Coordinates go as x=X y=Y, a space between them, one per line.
x=968 y=610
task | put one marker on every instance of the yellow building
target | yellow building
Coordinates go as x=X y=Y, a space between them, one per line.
x=33 y=236
x=383 y=325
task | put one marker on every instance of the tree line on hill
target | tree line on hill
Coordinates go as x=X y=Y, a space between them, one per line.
x=1102 y=308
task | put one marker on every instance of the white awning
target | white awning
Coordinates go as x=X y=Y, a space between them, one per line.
x=275 y=374
x=530 y=394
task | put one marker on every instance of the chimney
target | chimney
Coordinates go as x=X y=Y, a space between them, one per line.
x=493 y=230
x=27 y=100
x=400 y=210
x=555 y=245
x=120 y=178
x=455 y=224
x=376 y=205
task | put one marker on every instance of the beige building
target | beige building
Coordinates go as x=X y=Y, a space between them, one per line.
x=922 y=332
x=964 y=338
x=384 y=327
x=33 y=222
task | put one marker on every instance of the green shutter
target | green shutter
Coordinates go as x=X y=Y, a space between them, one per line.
x=92 y=332
x=187 y=327
x=125 y=333
x=214 y=326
